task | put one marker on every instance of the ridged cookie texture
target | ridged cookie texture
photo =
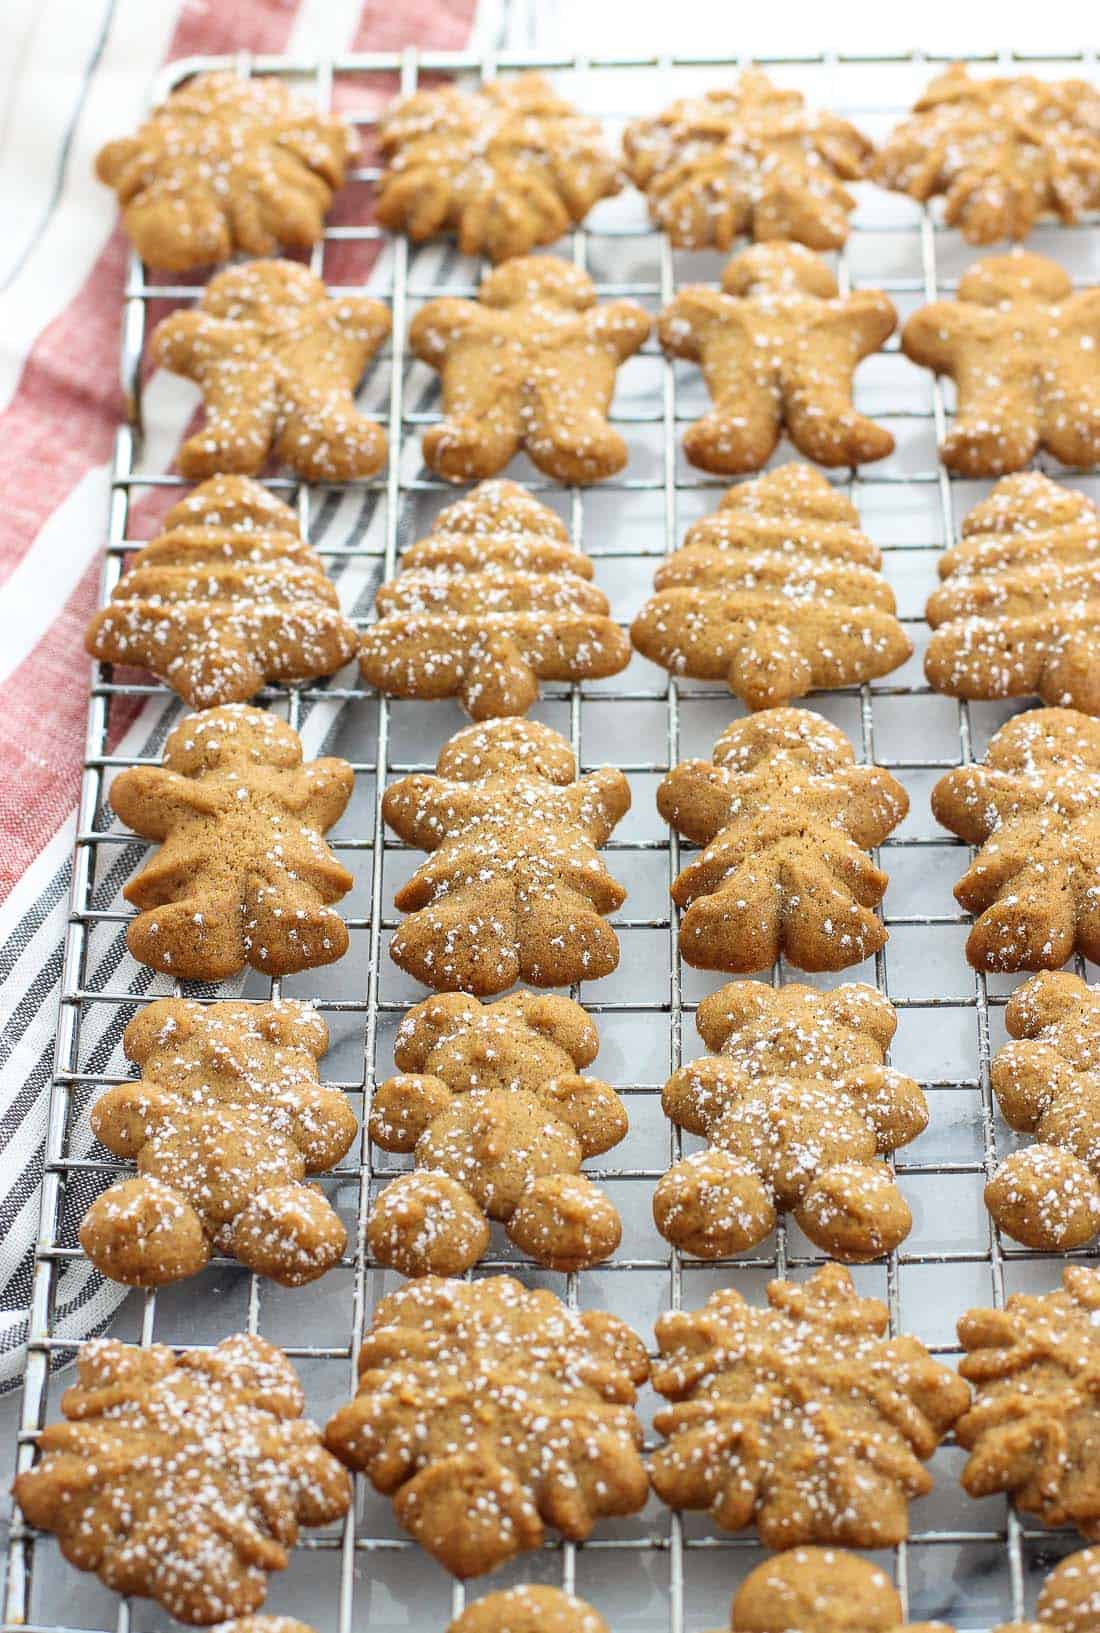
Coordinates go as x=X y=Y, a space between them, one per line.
x=514 y=889
x=490 y=604
x=227 y=597
x=227 y=162
x=530 y=365
x=225 y=1123
x=785 y=817
x=1001 y=152
x=505 y=168
x=491 y=1102
x=1019 y=609
x=797 y=1107
x=277 y=360
x=243 y=875
x=778 y=345
x=751 y=159
x=1020 y=345
x=183 y=1478
x=489 y=1413
x=774 y=599
x=1031 y=807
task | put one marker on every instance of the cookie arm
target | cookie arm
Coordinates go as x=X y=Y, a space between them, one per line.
x=686 y=323
x=622 y=325
x=151 y=800
x=695 y=799
x=600 y=800
x=426 y=811
x=437 y=326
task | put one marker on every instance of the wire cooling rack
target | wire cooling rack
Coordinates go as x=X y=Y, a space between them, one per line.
x=971 y=1563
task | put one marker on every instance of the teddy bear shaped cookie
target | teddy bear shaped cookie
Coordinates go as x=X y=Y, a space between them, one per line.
x=1047 y=1083
x=1031 y=807
x=781 y=617
x=1019 y=607
x=183 y=1478
x=227 y=163
x=1002 y=152
x=506 y=167
x=277 y=360
x=490 y=1411
x=797 y=1106
x=490 y=604
x=778 y=345
x=243 y=875
x=227 y=596
x=805 y=1419
x=225 y=1123
x=752 y=159
x=786 y=818
x=514 y=888
x=529 y=365
x=1020 y=345
x=491 y=1105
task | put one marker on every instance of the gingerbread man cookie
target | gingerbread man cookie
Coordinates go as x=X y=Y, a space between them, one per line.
x=228 y=596
x=227 y=1120
x=777 y=619
x=489 y=1412
x=778 y=346
x=506 y=167
x=1021 y=348
x=804 y=1419
x=1033 y=1427
x=529 y=365
x=183 y=1478
x=492 y=602
x=786 y=818
x=514 y=888
x=243 y=875
x=491 y=1105
x=1002 y=152
x=1047 y=1083
x=796 y=1105
x=752 y=159
x=277 y=361
x=1032 y=808
x=1020 y=605
x=226 y=163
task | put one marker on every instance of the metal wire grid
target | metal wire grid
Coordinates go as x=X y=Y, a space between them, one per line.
x=356 y=1550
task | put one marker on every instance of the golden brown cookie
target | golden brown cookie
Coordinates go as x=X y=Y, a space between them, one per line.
x=183 y=1478
x=223 y=164
x=785 y=817
x=484 y=612
x=489 y=1412
x=804 y=1419
x=1047 y=1083
x=1069 y=1600
x=752 y=159
x=491 y=1105
x=1002 y=152
x=529 y=365
x=796 y=1104
x=1020 y=606
x=218 y=607
x=778 y=346
x=242 y=875
x=1033 y=1428
x=277 y=361
x=505 y=168
x=1020 y=346
x=225 y=1123
x=779 y=617
x=821 y=1590
x=529 y=1609
x=514 y=889
x=1032 y=808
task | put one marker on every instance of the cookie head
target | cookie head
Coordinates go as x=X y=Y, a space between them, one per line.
x=1016 y=276
x=778 y=268
x=232 y=735
x=536 y=278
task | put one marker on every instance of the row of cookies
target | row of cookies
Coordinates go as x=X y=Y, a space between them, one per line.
x=228 y=164
x=491 y=1414
x=531 y=365
x=778 y=593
